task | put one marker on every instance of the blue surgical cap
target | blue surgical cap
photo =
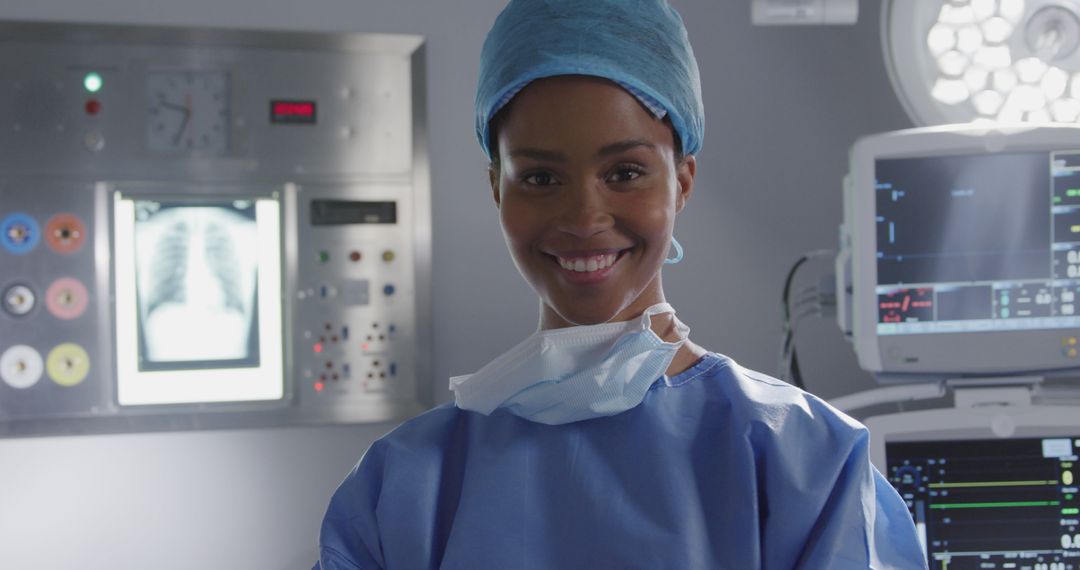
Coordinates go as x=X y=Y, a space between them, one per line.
x=639 y=44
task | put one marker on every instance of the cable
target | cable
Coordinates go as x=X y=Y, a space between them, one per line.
x=788 y=367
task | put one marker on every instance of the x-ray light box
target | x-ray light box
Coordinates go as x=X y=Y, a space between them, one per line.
x=198 y=288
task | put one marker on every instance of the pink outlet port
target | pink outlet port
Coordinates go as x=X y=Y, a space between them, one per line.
x=66 y=298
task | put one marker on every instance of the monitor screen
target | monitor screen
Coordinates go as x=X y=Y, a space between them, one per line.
x=978 y=242
x=998 y=503
x=960 y=252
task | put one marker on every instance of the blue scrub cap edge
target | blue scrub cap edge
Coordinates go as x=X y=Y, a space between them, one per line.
x=483 y=131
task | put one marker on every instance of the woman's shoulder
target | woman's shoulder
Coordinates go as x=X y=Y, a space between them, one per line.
x=768 y=403
x=429 y=430
x=736 y=398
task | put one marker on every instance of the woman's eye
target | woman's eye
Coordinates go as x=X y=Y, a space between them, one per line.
x=540 y=179
x=625 y=174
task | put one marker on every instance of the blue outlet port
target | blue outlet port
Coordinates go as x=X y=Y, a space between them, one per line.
x=19 y=233
x=393 y=369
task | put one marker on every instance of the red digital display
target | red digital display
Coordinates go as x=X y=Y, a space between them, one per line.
x=293 y=112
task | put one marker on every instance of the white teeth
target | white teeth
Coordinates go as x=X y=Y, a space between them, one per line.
x=589 y=264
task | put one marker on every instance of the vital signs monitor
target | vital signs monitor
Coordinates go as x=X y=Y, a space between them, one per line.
x=961 y=251
x=988 y=486
x=960 y=269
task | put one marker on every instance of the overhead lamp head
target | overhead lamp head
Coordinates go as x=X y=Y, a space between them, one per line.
x=959 y=61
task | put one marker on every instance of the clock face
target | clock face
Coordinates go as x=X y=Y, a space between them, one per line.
x=187 y=112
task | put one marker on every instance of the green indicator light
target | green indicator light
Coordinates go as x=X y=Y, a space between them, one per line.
x=324 y=256
x=996 y=505
x=1070 y=511
x=92 y=82
x=992 y=484
x=1057 y=199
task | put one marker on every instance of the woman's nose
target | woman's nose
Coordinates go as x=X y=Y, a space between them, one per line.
x=585 y=211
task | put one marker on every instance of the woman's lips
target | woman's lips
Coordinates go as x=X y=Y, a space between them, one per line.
x=588 y=267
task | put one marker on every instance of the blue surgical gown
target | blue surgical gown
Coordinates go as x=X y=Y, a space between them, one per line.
x=719 y=467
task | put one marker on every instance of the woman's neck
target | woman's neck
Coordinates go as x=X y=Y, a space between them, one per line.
x=664 y=325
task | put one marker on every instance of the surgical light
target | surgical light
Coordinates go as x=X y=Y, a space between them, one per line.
x=959 y=61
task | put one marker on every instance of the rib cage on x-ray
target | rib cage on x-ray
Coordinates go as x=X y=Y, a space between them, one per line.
x=196 y=270
x=168 y=270
x=170 y=266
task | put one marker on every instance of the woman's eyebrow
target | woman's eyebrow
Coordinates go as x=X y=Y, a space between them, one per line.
x=538 y=154
x=622 y=146
x=556 y=156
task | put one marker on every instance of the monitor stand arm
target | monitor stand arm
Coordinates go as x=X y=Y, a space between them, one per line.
x=1004 y=391
x=968 y=392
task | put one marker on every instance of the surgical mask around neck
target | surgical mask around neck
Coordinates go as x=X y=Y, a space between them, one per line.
x=565 y=375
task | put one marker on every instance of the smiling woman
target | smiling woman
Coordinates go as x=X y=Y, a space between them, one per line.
x=608 y=439
x=588 y=193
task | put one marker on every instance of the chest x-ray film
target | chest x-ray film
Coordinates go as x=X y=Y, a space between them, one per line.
x=196 y=279
x=198 y=300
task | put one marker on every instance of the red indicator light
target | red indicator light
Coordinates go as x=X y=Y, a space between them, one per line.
x=302 y=112
x=319 y=386
x=317 y=348
x=93 y=107
x=354 y=256
x=303 y=109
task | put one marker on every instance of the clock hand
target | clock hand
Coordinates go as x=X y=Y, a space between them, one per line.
x=187 y=117
x=173 y=106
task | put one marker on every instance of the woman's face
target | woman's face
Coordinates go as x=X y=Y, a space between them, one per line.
x=588 y=187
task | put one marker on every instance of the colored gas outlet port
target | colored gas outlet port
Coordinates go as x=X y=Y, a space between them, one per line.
x=19 y=233
x=19 y=300
x=65 y=233
x=67 y=364
x=66 y=298
x=21 y=366
x=1070 y=347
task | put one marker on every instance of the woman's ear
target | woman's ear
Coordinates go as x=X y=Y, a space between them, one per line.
x=684 y=177
x=493 y=179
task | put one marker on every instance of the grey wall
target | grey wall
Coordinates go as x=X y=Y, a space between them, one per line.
x=783 y=106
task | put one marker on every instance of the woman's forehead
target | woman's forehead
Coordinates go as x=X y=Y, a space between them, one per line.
x=580 y=112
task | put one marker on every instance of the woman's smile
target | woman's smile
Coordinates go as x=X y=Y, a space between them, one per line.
x=588 y=268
